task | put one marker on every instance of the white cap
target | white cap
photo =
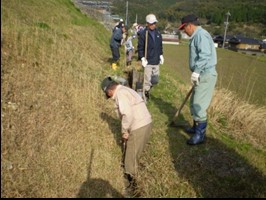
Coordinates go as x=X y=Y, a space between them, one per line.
x=135 y=24
x=150 y=18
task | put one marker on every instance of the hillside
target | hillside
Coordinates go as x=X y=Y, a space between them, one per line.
x=61 y=139
x=247 y=17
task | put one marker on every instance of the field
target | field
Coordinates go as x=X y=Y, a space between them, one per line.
x=60 y=137
x=239 y=73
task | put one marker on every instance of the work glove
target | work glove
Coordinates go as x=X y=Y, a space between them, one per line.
x=124 y=36
x=144 y=62
x=125 y=136
x=195 y=78
x=161 y=59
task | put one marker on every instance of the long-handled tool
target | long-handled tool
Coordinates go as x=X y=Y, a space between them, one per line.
x=146 y=49
x=124 y=148
x=180 y=108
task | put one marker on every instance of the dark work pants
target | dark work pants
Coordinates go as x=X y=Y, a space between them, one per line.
x=115 y=53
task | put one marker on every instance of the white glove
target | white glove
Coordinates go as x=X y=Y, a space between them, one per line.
x=124 y=36
x=195 y=78
x=144 y=62
x=161 y=59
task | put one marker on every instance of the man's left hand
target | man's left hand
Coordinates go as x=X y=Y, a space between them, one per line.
x=161 y=59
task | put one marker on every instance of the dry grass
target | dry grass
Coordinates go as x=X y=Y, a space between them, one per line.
x=51 y=105
x=60 y=137
x=247 y=122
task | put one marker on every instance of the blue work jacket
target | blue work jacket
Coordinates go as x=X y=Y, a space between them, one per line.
x=116 y=38
x=202 y=52
x=154 y=47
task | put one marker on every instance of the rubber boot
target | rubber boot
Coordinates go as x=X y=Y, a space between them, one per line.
x=191 y=130
x=128 y=63
x=114 y=66
x=147 y=95
x=132 y=189
x=199 y=135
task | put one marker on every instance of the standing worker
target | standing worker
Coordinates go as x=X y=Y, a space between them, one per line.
x=129 y=48
x=116 y=42
x=136 y=124
x=137 y=28
x=202 y=63
x=117 y=23
x=150 y=52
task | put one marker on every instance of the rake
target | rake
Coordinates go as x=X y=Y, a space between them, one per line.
x=172 y=123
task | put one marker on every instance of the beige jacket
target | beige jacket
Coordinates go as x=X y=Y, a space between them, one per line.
x=131 y=109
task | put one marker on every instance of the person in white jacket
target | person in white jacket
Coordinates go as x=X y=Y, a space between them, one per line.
x=129 y=48
x=137 y=28
x=136 y=124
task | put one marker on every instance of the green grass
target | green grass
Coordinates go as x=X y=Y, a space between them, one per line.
x=242 y=74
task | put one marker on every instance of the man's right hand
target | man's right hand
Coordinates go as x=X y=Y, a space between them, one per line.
x=144 y=62
x=125 y=136
x=195 y=78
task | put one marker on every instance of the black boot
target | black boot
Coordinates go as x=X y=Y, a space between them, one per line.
x=132 y=188
x=191 y=130
x=147 y=95
x=128 y=63
x=199 y=135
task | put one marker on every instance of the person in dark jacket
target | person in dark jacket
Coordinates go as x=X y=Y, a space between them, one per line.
x=115 y=43
x=151 y=56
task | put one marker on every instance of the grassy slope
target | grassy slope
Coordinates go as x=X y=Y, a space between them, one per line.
x=213 y=170
x=53 y=59
x=60 y=137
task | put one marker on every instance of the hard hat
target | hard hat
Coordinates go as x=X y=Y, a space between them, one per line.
x=135 y=24
x=108 y=81
x=150 y=18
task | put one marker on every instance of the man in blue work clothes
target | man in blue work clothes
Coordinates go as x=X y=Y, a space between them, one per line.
x=116 y=42
x=202 y=63
x=150 y=52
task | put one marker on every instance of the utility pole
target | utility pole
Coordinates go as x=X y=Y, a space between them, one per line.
x=136 y=20
x=126 y=14
x=226 y=26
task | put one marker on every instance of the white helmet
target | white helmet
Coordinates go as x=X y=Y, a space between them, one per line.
x=150 y=18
